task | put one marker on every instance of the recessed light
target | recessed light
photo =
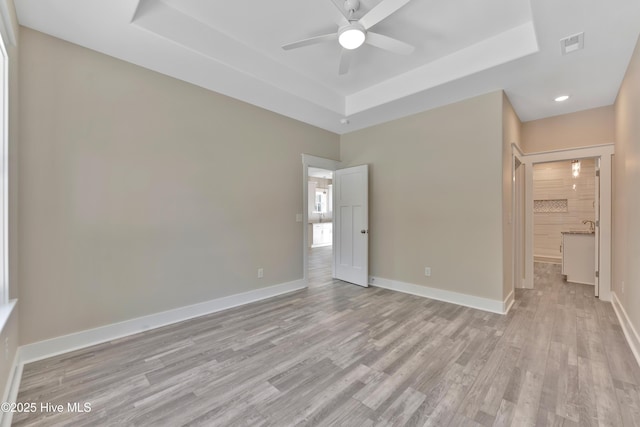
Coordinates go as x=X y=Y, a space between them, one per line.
x=562 y=98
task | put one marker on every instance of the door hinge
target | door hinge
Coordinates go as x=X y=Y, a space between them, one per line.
x=598 y=172
x=598 y=223
x=597 y=274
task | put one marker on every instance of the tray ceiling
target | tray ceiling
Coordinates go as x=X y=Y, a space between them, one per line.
x=463 y=48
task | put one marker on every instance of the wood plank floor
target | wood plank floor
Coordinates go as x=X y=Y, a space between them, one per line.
x=338 y=354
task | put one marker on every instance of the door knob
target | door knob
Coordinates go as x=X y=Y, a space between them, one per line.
x=364 y=231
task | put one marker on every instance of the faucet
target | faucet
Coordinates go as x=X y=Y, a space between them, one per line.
x=592 y=225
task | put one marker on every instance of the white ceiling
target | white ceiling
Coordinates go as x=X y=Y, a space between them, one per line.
x=464 y=48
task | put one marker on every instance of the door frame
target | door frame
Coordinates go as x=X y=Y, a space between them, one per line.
x=605 y=153
x=517 y=224
x=308 y=161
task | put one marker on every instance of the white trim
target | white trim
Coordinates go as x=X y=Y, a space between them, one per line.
x=4 y=171
x=12 y=388
x=580 y=283
x=565 y=153
x=547 y=259
x=604 y=152
x=66 y=343
x=515 y=146
x=509 y=301
x=528 y=225
x=317 y=162
x=6 y=24
x=630 y=332
x=516 y=254
x=321 y=245
x=320 y=162
x=480 y=303
x=5 y=312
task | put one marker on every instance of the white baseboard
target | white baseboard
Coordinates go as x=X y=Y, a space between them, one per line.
x=580 y=283
x=321 y=245
x=486 y=304
x=630 y=332
x=509 y=301
x=548 y=259
x=66 y=343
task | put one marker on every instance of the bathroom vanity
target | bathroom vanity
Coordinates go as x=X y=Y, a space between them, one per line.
x=321 y=234
x=578 y=256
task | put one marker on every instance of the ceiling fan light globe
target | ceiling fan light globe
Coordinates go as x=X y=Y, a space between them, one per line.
x=351 y=38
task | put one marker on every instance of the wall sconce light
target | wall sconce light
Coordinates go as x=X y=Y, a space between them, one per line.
x=575 y=168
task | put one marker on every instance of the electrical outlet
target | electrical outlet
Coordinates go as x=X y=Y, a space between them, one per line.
x=427 y=271
x=260 y=273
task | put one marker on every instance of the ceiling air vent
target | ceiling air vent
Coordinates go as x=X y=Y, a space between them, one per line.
x=572 y=43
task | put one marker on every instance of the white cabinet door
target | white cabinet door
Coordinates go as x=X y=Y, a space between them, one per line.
x=317 y=234
x=577 y=258
x=322 y=234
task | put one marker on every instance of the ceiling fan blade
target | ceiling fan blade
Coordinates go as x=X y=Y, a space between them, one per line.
x=345 y=61
x=389 y=43
x=310 y=41
x=380 y=12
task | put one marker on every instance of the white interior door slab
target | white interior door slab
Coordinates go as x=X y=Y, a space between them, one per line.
x=351 y=222
x=596 y=205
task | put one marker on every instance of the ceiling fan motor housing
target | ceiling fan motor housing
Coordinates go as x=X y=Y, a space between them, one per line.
x=351 y=6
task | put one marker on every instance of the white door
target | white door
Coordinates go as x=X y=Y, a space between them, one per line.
x=597 y=229
x=351 y=218
x=518 y=226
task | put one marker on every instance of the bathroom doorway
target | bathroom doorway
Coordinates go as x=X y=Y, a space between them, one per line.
x=601 y=190
x=565 y=205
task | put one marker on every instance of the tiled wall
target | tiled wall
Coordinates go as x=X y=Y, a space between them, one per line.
x=554 y=182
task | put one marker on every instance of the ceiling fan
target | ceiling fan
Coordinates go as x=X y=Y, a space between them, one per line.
x=353 y=33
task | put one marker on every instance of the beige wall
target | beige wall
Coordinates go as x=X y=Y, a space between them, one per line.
x=140 y=193
x=435 y=196
x=554 y=181
x=580 y=129
x=511 y=134
x=626 y=224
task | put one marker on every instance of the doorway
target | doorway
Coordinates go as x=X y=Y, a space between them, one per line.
x=348 y=201
x=319 y=223
x=317 y=265
x=602 y=227
x=565 y=205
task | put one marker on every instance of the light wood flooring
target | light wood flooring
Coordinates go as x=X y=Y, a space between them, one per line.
x=339 y=354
